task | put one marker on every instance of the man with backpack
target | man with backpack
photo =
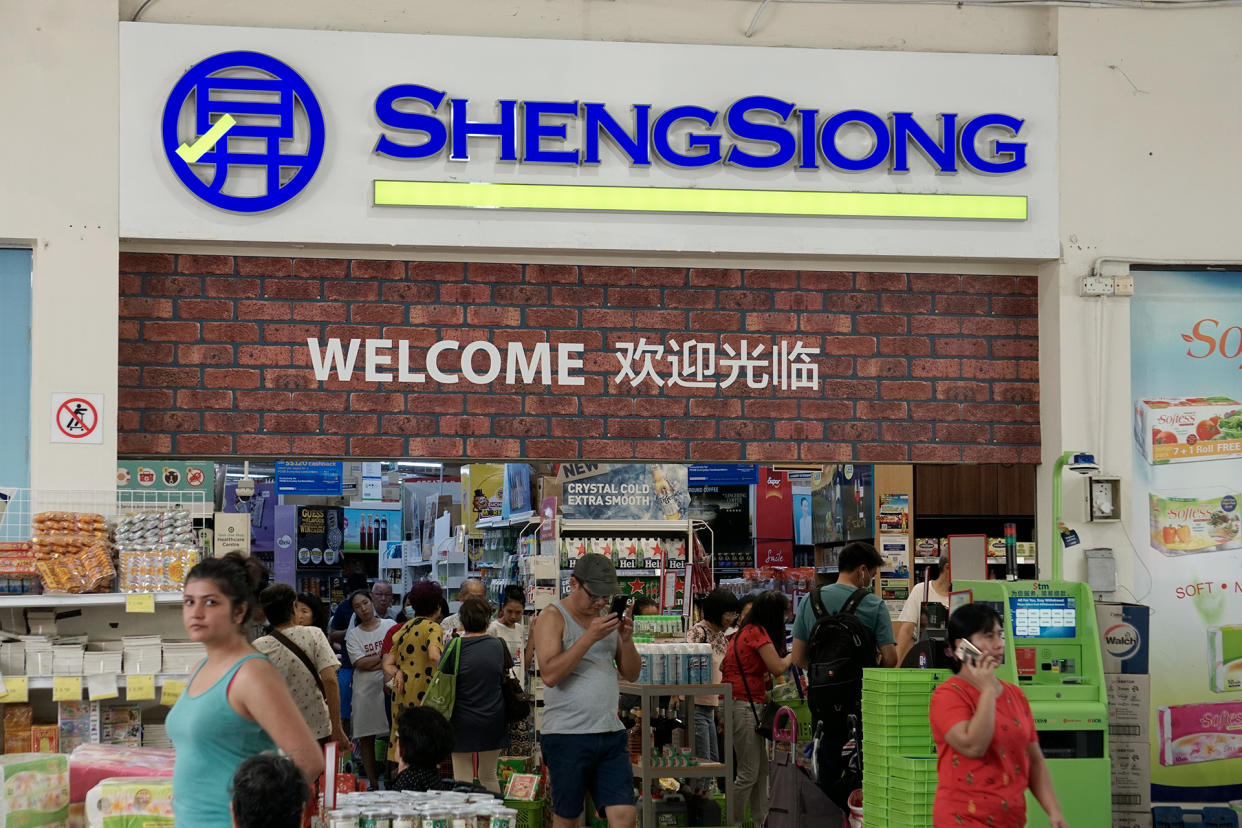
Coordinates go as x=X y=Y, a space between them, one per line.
x=840 y=630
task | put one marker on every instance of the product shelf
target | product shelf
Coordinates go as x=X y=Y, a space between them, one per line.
x=615 y=527
x=45 y=682
x=100 y=599
x=646 y=772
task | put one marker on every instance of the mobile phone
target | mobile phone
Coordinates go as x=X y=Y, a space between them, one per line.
x=619 y=604
x=967 y=651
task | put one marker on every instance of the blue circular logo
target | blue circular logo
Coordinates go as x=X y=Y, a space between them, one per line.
x=243 y=132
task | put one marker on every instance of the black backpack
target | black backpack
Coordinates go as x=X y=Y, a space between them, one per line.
x=838 y=649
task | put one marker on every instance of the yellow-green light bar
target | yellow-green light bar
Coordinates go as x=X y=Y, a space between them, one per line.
x=695 y=200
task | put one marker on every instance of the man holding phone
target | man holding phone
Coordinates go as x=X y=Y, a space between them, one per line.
x=583 y=648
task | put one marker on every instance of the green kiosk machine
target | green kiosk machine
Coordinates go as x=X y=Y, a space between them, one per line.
x=1052 y=651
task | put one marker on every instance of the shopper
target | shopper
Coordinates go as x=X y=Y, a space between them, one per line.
x=381 y=596
x=452 y=623
x=912 y=619
x=755 y=654
x=719 y=612
x=985 y=736
x=305 y=659
x=269 y=792
x=235 y=704
x=581 y=653
x=413 y=651
x=744 y=604
x=343 y=619
x=478 y=717
x=310 y=611
x=644 y=606
x=424 y=741
x=859 y=564
x=508 y=624
x=364 y=644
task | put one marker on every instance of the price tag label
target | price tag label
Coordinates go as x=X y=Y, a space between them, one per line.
x=67 y=688
x=138 y=688
x=18 y=689
x=172 y=690
x=140 y=602
x=102 y=686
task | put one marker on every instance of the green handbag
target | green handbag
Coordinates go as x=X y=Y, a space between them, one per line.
x=442 y=691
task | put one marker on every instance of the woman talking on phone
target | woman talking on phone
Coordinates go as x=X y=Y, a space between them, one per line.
x=985 y=735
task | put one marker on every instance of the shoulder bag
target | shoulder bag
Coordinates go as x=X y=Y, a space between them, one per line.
x=764 y=721
x=442 y=691
x=302 y=656
x=517 y=704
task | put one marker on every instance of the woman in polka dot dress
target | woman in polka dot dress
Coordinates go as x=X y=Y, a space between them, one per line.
x=985 y=737
x=414 y=651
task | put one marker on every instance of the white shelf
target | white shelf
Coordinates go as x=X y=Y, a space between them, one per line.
x=45 y=682
x=637 y=573
x=101 y=599
x=500 y=523
x=620 y=527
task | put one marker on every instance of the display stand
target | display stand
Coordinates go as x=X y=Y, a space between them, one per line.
x=644 y=770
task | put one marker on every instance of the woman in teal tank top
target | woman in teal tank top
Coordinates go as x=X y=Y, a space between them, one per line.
x=236 y=703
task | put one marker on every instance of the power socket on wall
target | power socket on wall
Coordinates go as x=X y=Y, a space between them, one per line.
x=1099 y=286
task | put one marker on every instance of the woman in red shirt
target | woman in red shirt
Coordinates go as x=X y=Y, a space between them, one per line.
x=755 y=653
x=985 y=736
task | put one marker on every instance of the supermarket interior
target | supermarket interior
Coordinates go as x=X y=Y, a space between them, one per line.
x=92 y=619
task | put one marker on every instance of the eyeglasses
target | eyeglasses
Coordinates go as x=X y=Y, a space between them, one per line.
x=595 y=599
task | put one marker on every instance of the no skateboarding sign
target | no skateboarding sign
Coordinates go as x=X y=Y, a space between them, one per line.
x=75 y=418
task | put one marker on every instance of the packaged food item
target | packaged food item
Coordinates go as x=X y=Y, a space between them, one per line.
x=17 y=722
x=45 y=739
x=1181 y=429
x=1225 y=658
x=1199 y=732
x=927 y=547
x=1206 y=520
x=35 y=789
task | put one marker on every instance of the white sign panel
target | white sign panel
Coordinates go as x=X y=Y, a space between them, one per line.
x=232 y=533
x=290 y=136
x=76 y=417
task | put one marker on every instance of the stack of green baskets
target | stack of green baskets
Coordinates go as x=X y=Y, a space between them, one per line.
x=912 y=790
x=895 y=725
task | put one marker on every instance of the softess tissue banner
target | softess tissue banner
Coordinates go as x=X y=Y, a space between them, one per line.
x=1199 y=732
x=36 y=789
x=1181 y=429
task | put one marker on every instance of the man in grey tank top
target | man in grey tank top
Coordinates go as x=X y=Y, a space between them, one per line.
x=581 y=653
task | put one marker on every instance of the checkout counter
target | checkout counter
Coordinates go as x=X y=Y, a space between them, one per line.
x=1052 y=651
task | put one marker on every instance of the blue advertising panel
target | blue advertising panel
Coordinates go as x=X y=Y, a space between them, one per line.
x=308 y=477
x=723 y=474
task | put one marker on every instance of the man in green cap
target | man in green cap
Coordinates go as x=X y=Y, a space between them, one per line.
x=582 y=649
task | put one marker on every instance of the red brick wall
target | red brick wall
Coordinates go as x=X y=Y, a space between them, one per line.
x=915 y=367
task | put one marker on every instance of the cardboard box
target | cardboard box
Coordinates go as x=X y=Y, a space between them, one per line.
x=1129 y=706
x=1179 y=430
x=1132 y=819
x=1123 y=637
x=1131 y=774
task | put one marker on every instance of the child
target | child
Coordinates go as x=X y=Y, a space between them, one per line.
x=424 y=740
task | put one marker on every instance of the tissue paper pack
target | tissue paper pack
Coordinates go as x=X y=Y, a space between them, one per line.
x=91 y=764
x=131 y=802
x=35 y=789
x=1199 y=732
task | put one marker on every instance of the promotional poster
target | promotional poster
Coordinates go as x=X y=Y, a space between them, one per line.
x=841 y=503
x=629 y=491
x=1186 y=351
x=482 y=486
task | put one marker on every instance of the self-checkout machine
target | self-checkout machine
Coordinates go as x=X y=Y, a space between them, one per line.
x=1052 y=651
